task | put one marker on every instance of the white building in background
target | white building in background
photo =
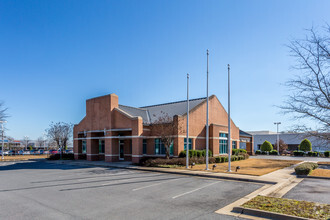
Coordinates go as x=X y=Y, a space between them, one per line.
x=291 y=139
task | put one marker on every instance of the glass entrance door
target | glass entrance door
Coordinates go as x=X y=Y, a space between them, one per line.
x=121 y=149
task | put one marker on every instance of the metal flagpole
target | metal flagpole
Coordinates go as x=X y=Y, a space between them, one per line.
x=207 y=111
x=187 y=140
x=229 y=134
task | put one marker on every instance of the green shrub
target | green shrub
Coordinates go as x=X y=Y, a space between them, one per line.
x=246 y=156
x=240 y=157
x=258 y=152
x=305 y=145
x=237 y=151
x=233 y=158
x=305 y=168
x=266 y=146
x=273 y=152
x=327 y=153
x=182 y=154
x=298 y=153
x=195 y=153
x=218 y=159
x=313 y=154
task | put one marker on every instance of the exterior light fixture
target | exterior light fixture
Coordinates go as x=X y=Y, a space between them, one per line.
x=237 y=168
x=193 y=164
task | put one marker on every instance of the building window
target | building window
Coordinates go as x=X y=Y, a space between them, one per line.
x=144 y=146
x=101 y=146
x=83 y=150
x=223 y=135
x=160 y=147
x=189 y=144
x=234 y=144
x=223 y=146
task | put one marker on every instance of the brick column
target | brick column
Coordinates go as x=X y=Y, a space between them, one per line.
x=111 y=150
x=214 y=142
x=77 y=149
x=92 y=148
x=137 y=142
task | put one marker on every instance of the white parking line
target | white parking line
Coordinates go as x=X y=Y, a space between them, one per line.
x=174 y=197
x=155 y=184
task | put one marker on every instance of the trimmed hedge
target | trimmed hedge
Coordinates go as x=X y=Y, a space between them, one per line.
x=305 y=168
x=305 y=145
x=313 y=154
x=327 y=153
x=195 y=153
x=237 y=151
x=259 y=152
x=154 y=162
x=273 y=152
x=298 y=153
x=266 y=146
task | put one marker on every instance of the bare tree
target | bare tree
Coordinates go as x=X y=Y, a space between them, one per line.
x=60 y=133
x=3 y=114
x=25 y=141
x=167 y=130
x=40 y=142
x=310 y=91
x=282 y=146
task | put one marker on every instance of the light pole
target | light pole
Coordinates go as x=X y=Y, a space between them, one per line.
x=26 y=141
x=3 y=140
x=187 y=140
x=44 y=141
x=207 y=110
x=278 y=137
x=229 y=134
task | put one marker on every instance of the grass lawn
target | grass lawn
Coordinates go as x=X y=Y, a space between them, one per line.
x=256 y=167
x=290 y=207
x=23 y=157
x=320 y=172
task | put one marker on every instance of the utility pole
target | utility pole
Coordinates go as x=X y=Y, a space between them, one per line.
x=3 y=140
x=187 y=140
x=207 y=111
x=278 y=137
x=229 y=134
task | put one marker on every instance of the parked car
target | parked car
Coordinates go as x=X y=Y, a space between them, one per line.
x=20 y=152
x=53 y=152
x=26 y=153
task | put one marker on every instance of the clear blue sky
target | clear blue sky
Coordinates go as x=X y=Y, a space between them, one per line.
x=56 y=54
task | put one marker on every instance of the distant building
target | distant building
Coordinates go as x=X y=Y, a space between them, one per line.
x=291 y=139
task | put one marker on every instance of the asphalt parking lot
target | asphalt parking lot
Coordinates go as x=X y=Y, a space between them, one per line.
x=42 y=190
x=313 y=190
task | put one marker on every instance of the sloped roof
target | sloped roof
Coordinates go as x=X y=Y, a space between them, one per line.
x=243 y=133
x=151 y=113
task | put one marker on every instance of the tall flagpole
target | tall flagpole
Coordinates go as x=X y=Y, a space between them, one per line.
x=187 y=141
x=207 y=111
x=229 y=134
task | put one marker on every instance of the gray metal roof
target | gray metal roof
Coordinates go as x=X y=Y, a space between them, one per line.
x=243 y=133
x=151 y=113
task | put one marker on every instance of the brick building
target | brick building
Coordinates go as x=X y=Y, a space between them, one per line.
x=114 y=132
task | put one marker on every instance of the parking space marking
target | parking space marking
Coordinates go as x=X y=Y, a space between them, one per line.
x=156 y=184
x=174 y=197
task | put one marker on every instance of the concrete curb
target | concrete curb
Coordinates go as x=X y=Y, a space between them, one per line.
x=317 y=177
x=265 y=214
x=162 y=170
